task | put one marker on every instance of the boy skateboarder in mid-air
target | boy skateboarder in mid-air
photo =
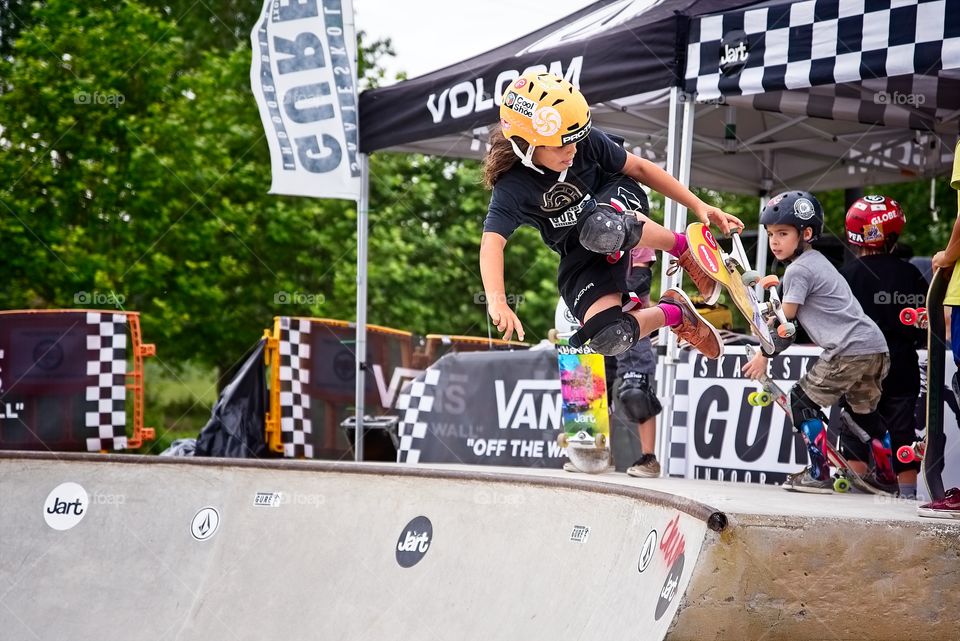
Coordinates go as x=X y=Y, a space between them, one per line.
x=854 y=359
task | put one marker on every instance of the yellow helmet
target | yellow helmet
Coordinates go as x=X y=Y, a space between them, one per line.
x=544 y=110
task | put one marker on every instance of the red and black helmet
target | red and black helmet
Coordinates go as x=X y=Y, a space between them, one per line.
x=875 y=221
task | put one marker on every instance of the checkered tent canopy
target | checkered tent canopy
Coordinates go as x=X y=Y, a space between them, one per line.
x=890 y=62
x=823 y=93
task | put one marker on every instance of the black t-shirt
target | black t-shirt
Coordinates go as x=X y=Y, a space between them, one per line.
x=884 y=285
x=524 y=197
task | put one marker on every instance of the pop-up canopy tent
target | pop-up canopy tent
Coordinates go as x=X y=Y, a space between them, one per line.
x=737 y=96
x=818 y=98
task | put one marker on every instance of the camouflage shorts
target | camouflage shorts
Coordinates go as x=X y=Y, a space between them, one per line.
x=857 y=378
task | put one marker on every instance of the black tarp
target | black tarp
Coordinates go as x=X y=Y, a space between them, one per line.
x=236 y=426
x=609 y=49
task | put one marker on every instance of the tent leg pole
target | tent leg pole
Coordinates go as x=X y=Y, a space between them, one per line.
x=363 y=206
x=679 y=148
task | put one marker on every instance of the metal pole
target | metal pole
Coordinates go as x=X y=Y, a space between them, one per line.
x=360 y=356
x=679 y=135
x=761 y=258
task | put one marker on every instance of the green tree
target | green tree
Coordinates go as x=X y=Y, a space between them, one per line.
x=135 y=177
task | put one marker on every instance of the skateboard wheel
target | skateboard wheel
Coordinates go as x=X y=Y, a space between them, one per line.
x=906 y=454
x=841 y=484
x=786 y=330
x=601 y=441
x=908 y=316
x=750 y=278
x=752 y=399
x=562 y=440
x=771 y=280
x=764 y=398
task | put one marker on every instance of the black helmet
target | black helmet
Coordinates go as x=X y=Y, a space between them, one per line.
x=799 y=209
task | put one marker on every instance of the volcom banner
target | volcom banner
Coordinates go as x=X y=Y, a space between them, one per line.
x=470 y=408
x=303 y=77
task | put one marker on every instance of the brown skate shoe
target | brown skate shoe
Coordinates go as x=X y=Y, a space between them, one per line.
x=694 y=328
x=708 y=288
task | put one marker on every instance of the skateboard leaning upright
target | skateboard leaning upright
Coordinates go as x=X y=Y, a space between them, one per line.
x=845 y=474
x=586 y=421
x=931 y=449
x=734 y=274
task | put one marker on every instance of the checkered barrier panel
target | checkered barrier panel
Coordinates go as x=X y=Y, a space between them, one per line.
x=295 y=423
x=891 y=63
x=418 y=398
x=105 y=416
x=681 y=427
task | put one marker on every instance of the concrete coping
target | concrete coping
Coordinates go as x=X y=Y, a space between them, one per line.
x=715 y=519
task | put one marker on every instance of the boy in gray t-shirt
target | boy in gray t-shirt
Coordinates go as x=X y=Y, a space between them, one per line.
x=855 y=357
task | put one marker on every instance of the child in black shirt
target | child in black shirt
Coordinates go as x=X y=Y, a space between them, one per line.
x=884 y=285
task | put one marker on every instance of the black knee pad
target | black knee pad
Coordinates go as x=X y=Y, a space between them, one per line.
x=803 y=408
x=639 y=401
x=611 y=332
x=606 y=230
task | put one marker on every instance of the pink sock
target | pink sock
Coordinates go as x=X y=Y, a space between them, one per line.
x=672 y=315
x=679 y=245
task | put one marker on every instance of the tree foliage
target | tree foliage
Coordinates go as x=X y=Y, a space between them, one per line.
x=138 y=173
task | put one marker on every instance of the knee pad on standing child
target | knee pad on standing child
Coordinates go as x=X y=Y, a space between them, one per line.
x=639 y=401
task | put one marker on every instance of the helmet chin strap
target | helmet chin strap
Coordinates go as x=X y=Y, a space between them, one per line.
x=526 y=159
x=799 y=249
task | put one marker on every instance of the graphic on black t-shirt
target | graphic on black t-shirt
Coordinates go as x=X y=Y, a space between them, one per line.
x=560 y=196
x=632 y=201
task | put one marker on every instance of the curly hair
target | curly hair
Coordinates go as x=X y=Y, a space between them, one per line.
x=500 y=157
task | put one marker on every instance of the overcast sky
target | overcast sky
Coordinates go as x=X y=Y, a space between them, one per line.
x=431 y=34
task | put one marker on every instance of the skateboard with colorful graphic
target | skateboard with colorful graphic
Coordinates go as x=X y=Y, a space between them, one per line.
x=845 y=476
x=586 y=420
x=734 y=274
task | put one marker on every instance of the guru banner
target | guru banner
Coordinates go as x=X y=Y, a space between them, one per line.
x=302 y=75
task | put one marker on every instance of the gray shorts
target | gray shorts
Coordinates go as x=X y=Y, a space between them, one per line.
x=857 y=378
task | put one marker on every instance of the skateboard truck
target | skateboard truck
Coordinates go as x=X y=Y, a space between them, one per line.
x=773 y=308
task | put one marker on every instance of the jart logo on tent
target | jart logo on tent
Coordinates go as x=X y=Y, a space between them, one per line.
x=414 y=542
x=734 y=53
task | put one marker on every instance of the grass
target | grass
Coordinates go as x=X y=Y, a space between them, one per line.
x=177 y=402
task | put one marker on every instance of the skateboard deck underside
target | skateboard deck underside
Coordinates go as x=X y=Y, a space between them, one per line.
x=708 y=255
x=584 y=408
